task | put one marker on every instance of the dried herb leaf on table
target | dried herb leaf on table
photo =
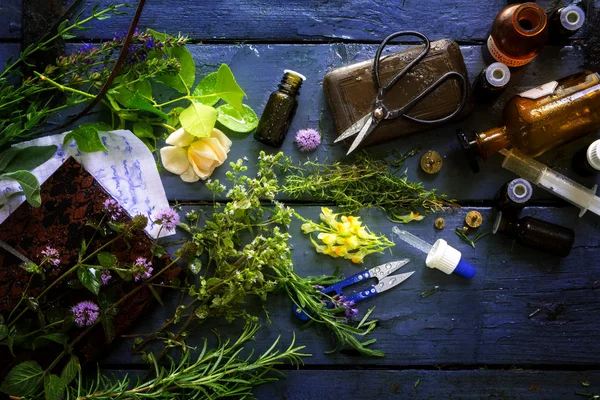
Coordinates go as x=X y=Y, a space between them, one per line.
x=52 y=236
x=365 y=182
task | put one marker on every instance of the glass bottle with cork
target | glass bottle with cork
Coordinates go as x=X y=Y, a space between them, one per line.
x=519 y=32
x=280 y=109
x=540 y=119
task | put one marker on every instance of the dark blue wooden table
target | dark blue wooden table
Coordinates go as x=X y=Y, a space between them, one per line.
x=471 y=339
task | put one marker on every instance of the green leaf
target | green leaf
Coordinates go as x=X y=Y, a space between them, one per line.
x=87 y=139
x=89 y=280
x=68 y=36
x=107 y=260
x=198 y=119
x=184 y=80
x=140 y=103
x=45 y=340
x=173 y=116
x=54 y=387
x=29 y=185
x=206 y=88
x=244 y=121
x=143 y=130
x=70 y=370
x=158 y=35
x=228 y=89
x=3 y=331
x=108 y=323
x=30 y=158
x=23 y=380
x=7 y=155
x=126 y=92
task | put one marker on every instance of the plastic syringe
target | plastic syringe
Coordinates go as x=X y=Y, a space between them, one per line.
x=440 y=256
x=558 y=184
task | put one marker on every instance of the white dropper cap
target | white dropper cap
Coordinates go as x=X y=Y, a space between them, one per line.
x=443 y=257
x=593 y=155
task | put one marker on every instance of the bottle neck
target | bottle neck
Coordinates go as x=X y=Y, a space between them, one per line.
x=492 y=141
x=506 y=225
x=290 y=84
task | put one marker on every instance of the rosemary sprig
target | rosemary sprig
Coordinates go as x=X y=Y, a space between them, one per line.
x=365 y=183
x=216 y=373
x=471 y=242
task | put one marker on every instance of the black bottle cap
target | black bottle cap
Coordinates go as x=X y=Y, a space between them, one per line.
x=467 y=145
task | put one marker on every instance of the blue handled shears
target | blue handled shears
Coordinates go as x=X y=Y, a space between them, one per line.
x=382 y=273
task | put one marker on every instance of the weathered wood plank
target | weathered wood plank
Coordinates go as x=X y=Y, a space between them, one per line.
x=10 y=19
x=422 y=384
x=481 y=321
x=277 y=21
x=258 y=69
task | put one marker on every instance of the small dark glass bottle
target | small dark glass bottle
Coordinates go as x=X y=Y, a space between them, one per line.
x=491 y=82
x=565 y=22
x=586 y=161
x=513 y=195
x=538 y=234
x=279 y=111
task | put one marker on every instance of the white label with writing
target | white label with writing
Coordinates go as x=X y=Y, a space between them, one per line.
x=540 y=91
x=503 y=58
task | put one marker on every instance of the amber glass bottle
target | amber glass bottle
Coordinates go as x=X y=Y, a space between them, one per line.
x=538 y=234
x=518 y=34
x=491 y=82
x=566 y=21
x=541 y=119
x=513 y=196
x=279 y=111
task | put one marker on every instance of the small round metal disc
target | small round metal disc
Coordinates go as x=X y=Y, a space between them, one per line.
x=473 y=219
x=431 y=162
x=439 y=223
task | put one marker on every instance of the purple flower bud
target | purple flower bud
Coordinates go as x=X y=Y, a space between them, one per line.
x=85 y=313
x=308 y=139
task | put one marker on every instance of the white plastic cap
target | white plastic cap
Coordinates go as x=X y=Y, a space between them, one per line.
x=497 y=74
x=443 y=257
x=572 y=17
x=593 y=155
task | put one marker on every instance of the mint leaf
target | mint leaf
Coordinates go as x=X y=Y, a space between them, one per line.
x=30 y=158
x=107 y=260
x=87 y=139
x=29 y=185
x=244 y=121
x=23 y=380
x=126 y=92
x=206 y=89
x=140 y=103
x=198 y=119
x=227 y=88
x=3 y=331
x=54 y=387
x=70 y=370
x=89 y=280
x=45 y=340
x=143 y=130
x=186 y=77
x=7 y=155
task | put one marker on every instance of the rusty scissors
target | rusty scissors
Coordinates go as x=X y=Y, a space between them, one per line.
x=366 y=124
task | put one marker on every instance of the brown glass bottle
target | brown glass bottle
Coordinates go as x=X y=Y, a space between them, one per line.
x=565 y=22
x=541 y=119
x=279 y=111
x=513 y=196
x=519 y=33
x=538 y=234
x=491 y=82
x=586 y=162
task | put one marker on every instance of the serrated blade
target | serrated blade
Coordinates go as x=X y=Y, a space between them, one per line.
x=353 y=129
x=391 y=281
x=364 y=132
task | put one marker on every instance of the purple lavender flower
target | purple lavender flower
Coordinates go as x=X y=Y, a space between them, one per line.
x=308 y=139
x=348 y=305
x=51 y=255
x=111 y=207
x=85 y=313
x=105 y=277
x=168 y=218
x=142 y=269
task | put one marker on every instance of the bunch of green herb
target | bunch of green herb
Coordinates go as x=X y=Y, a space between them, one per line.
x=216 y=373
x=247 y=253
x=365 y=183
x=461 y=233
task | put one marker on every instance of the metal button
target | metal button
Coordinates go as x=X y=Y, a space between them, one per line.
x=431 y=162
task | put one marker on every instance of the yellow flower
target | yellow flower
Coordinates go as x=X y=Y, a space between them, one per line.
x=328 y=217
x=351 y=242
x=406 y=218
x=340 y=251
x=343 y=227
x=358 y=259
x=328 y=238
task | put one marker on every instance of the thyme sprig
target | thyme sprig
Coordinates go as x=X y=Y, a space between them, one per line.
x=367 y=182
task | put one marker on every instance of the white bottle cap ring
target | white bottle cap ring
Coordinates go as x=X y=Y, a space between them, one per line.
x=443 y=257
x=289 y=71
x=572 y=17
x=497 y=74
x=593 y=155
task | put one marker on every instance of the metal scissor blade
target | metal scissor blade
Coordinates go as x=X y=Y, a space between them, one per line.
x=353 y=129
x=15 y=252
x=390 y=281
x=383 y=270
x=366 y=129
